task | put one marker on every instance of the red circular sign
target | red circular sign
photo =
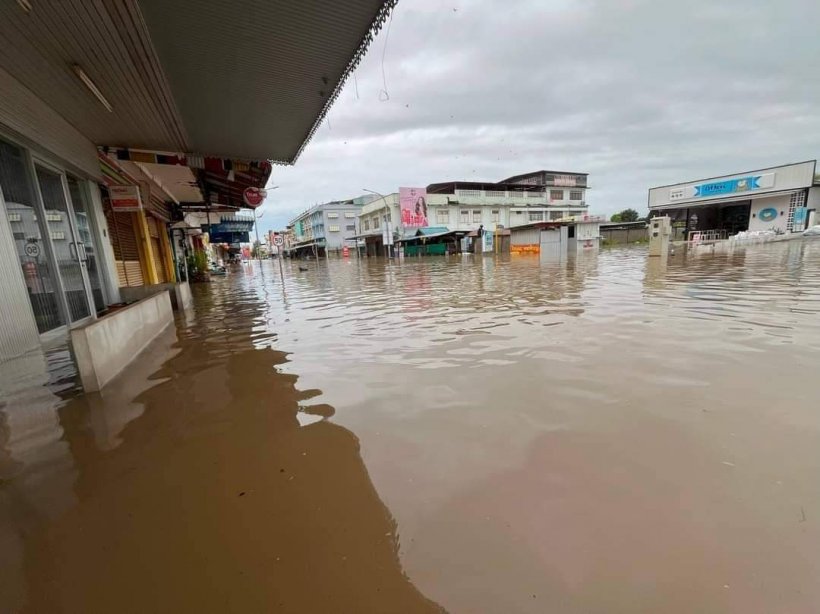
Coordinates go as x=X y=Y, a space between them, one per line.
x=254 y=196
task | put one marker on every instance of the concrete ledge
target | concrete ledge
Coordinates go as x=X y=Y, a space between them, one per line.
x=180 y=293
x=106 y=346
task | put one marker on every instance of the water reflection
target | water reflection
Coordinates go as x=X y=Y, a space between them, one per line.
x=191 y=484
x=581 y=435
x=593 y=433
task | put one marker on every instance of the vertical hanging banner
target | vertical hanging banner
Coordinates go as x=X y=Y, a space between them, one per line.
x=488 y=241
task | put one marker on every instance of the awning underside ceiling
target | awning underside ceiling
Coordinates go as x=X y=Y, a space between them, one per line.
x=247 y=79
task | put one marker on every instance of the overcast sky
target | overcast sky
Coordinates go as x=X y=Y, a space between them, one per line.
x=636 y=93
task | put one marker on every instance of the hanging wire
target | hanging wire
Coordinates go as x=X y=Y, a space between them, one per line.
x=356 y=85
x=384 y=95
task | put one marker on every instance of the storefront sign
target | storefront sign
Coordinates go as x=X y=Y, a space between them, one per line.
x=733 y=186
x=231 y=226
x=125 y=197
x=413 y=205
x=254 y=196
x=533 y=248
x=229 y=237
x=387 y=236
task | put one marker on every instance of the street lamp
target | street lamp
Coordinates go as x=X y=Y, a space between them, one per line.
x=387 y=246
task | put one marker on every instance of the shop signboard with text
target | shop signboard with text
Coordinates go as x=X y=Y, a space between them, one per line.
x=413 y=206
x=125 y=197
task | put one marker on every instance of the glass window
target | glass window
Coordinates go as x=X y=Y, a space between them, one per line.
x=476 y=216
x=556 y=194
x=375 y=222
x=350 y=214
x=465 y=216
x=366 y=224
x=496 y=217
x=351 y=227
x=31 y=250
x=87 y=244
x=333 y=214
x=576 y=195
x=442 y=216
x=333 y=228
x=536 y=216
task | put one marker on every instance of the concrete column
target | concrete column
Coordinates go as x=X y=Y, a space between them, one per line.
x=168 y=260
x=149 y=268
x=108 y=265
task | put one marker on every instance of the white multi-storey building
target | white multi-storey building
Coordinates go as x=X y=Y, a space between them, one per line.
x=540 y=196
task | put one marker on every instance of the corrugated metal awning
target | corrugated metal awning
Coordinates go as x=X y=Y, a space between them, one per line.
x=247 y=79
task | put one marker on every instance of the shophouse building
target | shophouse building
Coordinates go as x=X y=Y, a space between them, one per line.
x=122 y=128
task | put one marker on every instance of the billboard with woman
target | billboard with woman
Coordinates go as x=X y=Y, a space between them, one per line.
x=413 y=205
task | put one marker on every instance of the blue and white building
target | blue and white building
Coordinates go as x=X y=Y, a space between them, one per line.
x=325 y=230
x=782 y=199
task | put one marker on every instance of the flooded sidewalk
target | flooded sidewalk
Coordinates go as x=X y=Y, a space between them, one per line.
x=606 y=433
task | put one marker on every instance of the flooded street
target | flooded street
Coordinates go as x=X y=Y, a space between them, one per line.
x=609 y=433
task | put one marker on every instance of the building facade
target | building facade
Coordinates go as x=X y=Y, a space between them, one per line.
x=103 y=155
x=779 y=199
x=461 y=206
x=325 y=230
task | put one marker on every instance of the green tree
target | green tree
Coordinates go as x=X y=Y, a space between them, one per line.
x=627 y=215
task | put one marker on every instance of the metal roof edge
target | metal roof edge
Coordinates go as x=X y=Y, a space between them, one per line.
x=385 y=13
x=758 y=170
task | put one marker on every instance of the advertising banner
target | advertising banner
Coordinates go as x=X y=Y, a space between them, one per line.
x=413 y=205
x=488 y=241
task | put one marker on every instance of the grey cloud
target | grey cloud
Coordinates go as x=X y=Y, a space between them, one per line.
x=636 y=93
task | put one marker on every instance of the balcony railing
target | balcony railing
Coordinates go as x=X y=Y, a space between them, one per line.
x=511 y=196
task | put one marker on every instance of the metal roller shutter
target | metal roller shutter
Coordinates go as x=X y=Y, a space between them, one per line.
x=124 y=242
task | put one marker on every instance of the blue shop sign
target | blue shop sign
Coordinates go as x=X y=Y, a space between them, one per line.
x=730 y=186
x=235 y=226
x=229 y=237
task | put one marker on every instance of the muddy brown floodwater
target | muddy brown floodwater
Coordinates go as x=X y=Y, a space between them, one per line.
x=609 y=433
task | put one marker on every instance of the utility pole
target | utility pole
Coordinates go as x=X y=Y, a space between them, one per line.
x=258 y=244
x=256 y=228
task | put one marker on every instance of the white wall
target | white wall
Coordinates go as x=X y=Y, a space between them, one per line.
x=41 y=128
x=106 y=346
x=813 y=201
x=586 y=231
x=108 y=265
x=779 y=203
